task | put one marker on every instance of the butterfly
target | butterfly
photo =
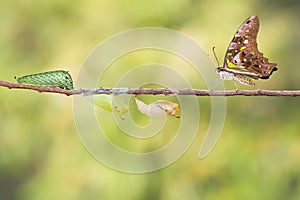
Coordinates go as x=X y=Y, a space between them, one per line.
x=243 y=62
x=58 y=78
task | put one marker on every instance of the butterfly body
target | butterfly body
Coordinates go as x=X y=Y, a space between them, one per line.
x=224 y=75
x=243 y=61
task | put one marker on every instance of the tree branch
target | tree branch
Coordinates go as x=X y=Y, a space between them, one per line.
x=153 y=91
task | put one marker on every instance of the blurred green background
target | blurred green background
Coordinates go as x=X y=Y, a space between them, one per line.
x=41 y=155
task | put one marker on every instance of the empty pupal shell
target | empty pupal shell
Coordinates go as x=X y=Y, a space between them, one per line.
x=158 y=108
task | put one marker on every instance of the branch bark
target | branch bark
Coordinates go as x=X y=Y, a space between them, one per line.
x=152 y=91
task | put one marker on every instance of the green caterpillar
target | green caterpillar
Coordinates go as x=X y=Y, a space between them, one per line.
x=58 y=78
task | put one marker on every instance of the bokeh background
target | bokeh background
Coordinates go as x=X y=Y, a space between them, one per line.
x=41 y=155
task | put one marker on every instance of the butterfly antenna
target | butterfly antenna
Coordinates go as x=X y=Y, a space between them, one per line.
x=215 y=55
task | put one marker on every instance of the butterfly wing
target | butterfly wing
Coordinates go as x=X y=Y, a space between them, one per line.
x=243 y=57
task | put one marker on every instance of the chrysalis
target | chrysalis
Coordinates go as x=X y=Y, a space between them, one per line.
x=158 y=108
x=59 y=78
x=110 y=104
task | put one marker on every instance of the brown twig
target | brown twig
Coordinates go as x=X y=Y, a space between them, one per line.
x=153 y=91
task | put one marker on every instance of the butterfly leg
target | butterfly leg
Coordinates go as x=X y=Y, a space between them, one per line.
x=217 y=84
x=237 y=86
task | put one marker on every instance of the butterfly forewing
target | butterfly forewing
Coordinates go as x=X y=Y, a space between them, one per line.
x=243 y=57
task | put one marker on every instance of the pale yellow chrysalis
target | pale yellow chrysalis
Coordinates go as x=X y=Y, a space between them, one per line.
x=104 y=101
x=158 y=108
x=110 y=104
